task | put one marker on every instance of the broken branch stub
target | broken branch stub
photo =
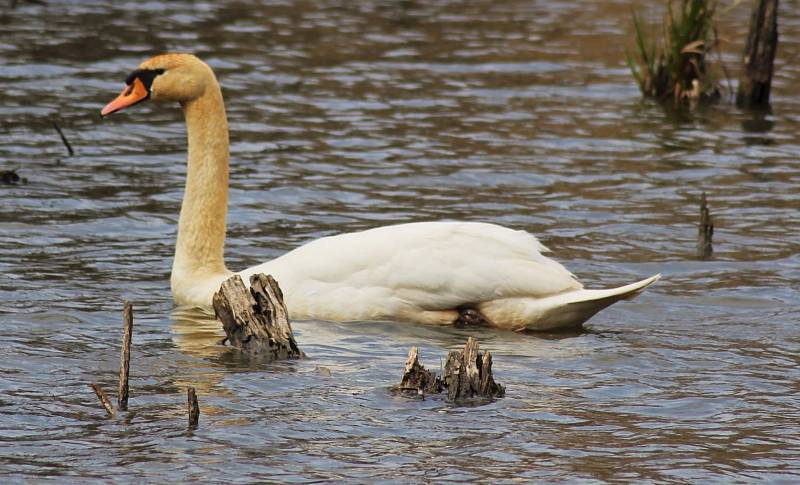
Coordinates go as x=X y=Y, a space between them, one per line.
x=417 y=378
x=468 y=374
x=193 y=407
x=256 y=321
x=125 y=357
x=705 y=231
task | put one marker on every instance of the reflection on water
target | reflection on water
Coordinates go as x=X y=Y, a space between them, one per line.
x=345 y=117
x=196 y=332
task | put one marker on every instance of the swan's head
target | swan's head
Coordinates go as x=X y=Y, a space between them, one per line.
x=168 y=77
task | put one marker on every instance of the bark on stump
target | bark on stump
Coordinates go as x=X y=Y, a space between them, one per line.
x=256 y=321
x=468 y=374
x=417 y=378
x=705 y=231
x=762 y=42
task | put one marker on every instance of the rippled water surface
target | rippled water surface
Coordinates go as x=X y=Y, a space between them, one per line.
x=350 y=116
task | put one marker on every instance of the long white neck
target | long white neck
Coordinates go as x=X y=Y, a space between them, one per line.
x=201 y=228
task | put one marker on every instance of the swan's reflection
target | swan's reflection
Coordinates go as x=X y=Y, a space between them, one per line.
x=196 y=332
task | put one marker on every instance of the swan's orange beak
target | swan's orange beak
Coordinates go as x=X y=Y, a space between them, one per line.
x=129 y=96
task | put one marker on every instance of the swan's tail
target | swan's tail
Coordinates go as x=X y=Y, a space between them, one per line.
x=563 y=311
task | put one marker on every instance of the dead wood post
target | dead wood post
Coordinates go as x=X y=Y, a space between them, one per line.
x=468 y=373
x=759 y=54
x=417 y=378
x=125 y=357
x=103 y=399
x=705 y=231
x=194 y=407
x=256 y=321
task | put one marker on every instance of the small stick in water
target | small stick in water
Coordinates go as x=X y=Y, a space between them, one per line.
x=194 y=408
x=103 y=399
x=705 y=231
x=63 y=138
x=125 y=358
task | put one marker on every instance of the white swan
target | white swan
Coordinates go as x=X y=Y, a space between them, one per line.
x=428 y=272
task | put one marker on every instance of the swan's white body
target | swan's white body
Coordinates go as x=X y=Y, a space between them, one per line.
x=424 y=272
x=413 y=270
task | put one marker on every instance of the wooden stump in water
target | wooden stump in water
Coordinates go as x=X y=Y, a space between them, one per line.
x=193 y=406
x=705 y=231
x=468 y=374
x=756 y=77
x=256 y=321
x=417 y=378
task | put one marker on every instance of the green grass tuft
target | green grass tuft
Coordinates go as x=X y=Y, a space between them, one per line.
x=678 y=69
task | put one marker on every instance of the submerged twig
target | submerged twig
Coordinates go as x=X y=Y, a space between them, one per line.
x=63 y=138
x=103 y=399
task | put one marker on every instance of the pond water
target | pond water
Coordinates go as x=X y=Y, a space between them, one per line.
x=345 y=117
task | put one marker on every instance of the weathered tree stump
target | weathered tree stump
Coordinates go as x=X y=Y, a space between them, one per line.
x=467 y=375
x=755 y=78
x=125 y=357
x=417 y=378
x=256 y=321
x=705 y=231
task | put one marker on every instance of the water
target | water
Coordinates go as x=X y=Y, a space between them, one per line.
x=345 y=117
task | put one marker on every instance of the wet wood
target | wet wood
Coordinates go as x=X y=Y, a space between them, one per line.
x=104 y=400
x=417 y=379
x=468 y=374
x=705 y=231
x=194 y=407
x=255 y=320
x=125 y=356
x=759 y=54
x=64 y=140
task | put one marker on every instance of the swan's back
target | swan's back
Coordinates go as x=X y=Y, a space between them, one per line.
x=427 y=266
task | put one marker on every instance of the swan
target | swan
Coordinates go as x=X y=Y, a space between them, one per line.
x=426 y=272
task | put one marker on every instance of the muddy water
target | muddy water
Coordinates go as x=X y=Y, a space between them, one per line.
x=345 y=117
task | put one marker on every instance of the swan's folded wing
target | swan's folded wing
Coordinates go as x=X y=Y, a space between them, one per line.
x=433 y=265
